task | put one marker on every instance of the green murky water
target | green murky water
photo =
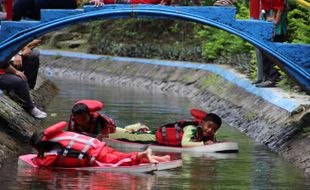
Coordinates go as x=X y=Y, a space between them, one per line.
x=254 y=167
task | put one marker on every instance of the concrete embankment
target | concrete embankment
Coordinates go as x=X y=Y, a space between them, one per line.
x=16 y=125
x=269 y=116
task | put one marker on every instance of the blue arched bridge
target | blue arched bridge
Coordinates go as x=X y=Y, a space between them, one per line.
x=294 y=59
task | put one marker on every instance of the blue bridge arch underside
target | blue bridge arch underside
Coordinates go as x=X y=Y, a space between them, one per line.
x=293 y=58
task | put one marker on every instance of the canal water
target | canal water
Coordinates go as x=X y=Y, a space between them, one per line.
x=254 y=167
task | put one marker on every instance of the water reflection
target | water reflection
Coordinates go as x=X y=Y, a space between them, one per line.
x=211 y=156
x=32 y=178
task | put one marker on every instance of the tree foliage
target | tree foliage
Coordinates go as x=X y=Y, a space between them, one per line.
x=298 y=24
x=218 y=42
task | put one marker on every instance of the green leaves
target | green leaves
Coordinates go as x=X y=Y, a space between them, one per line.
x=299 y=25
x=217 y=43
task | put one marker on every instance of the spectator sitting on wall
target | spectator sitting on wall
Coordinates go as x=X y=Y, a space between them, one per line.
x=28 y=62
x=14 y=82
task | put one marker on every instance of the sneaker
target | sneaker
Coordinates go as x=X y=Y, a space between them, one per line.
x=257 y=82
x=35 y=112
x=267 y=83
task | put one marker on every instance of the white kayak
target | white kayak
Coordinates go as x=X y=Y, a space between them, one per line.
x=26 y=161
x=219 y=147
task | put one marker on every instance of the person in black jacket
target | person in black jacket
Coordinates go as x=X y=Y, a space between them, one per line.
x=15 y=82
x=31 y=8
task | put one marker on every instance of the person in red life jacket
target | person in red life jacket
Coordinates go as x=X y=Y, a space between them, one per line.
x=59 y=148
x=90 y=122
x=182 y=133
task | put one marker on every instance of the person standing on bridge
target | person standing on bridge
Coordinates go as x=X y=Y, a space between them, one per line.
x=272 y=11
x=31 y=8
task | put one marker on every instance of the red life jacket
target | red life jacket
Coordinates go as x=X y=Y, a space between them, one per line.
x=171 y=134
x=93 y=106
x=109 y=126
x=198 y=114
x=2 y=71
x=85 y=148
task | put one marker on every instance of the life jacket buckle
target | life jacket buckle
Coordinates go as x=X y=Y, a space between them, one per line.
x=65 y=152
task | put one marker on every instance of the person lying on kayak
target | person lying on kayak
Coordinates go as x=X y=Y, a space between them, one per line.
x=59 y=148
x=182 y=133
x=85 y=119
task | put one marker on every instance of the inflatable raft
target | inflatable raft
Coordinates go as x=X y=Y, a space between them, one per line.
x=219 y=147
x=26 y=161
